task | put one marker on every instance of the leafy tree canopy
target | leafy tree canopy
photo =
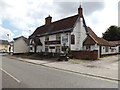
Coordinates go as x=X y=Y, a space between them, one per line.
x=112 y=33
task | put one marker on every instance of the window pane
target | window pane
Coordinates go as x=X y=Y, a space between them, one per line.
x=47 y=38
x=106 y=49
x=72 y=39
x=58 y=37
x=46 y=49
x=58 y=49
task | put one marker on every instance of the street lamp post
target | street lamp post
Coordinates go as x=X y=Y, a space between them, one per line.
x=8 y=36
x=29 y=31
x=8 y=48
x=64 y=44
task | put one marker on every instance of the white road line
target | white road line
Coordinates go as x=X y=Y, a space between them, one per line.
x=10 y=75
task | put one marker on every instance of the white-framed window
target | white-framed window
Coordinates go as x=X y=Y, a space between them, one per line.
x=119 y=48
x=31 y=48
x=73 y=39
x=88 y=47
x=58 y=37
x=112 y=49
x=46 y=48
x=46 y=38
x=57 y=49
x=106 y=49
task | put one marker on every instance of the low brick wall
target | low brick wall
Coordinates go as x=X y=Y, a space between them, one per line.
x=104 y=55
x=92 y=55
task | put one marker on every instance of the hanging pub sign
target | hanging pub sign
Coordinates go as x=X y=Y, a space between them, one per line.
x=65 y=39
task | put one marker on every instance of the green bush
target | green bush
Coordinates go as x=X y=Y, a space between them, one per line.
x=69 y=53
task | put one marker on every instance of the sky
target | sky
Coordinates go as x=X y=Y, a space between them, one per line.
x=22 y=17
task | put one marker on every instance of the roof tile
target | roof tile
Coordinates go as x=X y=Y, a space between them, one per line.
x=63 y=24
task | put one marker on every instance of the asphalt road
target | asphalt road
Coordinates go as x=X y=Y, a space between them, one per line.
x=36 y=76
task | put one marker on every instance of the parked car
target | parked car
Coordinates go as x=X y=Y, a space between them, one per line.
x=2 y=51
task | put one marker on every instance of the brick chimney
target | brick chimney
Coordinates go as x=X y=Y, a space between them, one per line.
x=80 y=11
x=48 y=20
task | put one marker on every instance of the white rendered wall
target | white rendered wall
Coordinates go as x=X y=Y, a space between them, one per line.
x=41 y=48
x=20 y=46
x=32 y=48
x=92 y=47
x=80 y=35
x=109 y=50
x=52 y=37
x=117 y=48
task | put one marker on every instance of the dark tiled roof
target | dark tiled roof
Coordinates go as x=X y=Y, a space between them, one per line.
x=67 y=24
x=62 y=25
x=4 y=42
x=115 y=42
x=98 y=40
x=89 y=41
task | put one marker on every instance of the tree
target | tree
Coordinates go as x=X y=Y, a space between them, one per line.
x=112 y=33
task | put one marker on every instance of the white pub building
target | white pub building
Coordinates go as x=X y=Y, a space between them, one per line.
x=70 y=32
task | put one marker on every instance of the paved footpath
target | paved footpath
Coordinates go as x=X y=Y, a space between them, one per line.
x=106 y=68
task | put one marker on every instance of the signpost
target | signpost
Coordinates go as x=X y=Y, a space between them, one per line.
x=64 y=42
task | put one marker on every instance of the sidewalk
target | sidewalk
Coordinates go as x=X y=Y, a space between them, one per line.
x=106 y=68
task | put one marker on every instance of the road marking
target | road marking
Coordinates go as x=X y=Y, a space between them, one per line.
x=10 y=75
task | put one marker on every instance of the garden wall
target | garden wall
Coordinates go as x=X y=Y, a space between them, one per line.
x=93 y=55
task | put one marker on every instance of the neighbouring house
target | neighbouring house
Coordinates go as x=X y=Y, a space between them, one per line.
x=20 y=45
x=4 y=46
x=11 y=47
x=71 y=32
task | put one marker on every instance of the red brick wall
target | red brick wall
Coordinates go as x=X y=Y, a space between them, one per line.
x=93 y=55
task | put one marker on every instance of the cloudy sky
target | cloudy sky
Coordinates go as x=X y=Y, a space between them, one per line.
x=22 y=17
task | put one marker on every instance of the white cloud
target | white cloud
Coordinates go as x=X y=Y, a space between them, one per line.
x=0 y=22
x=4 y=32
x=99 y=21
x=119 y=14
x=24 y=13
x=26 y=34
x=27 y=15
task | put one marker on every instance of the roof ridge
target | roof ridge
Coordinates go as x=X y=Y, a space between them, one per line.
x=58 y=20
x=64 y=18
x=19 y=37
x=58 y=25
x=93 y=38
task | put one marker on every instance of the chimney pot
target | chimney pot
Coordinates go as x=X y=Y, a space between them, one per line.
x=48 y=20
x=80 y=11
